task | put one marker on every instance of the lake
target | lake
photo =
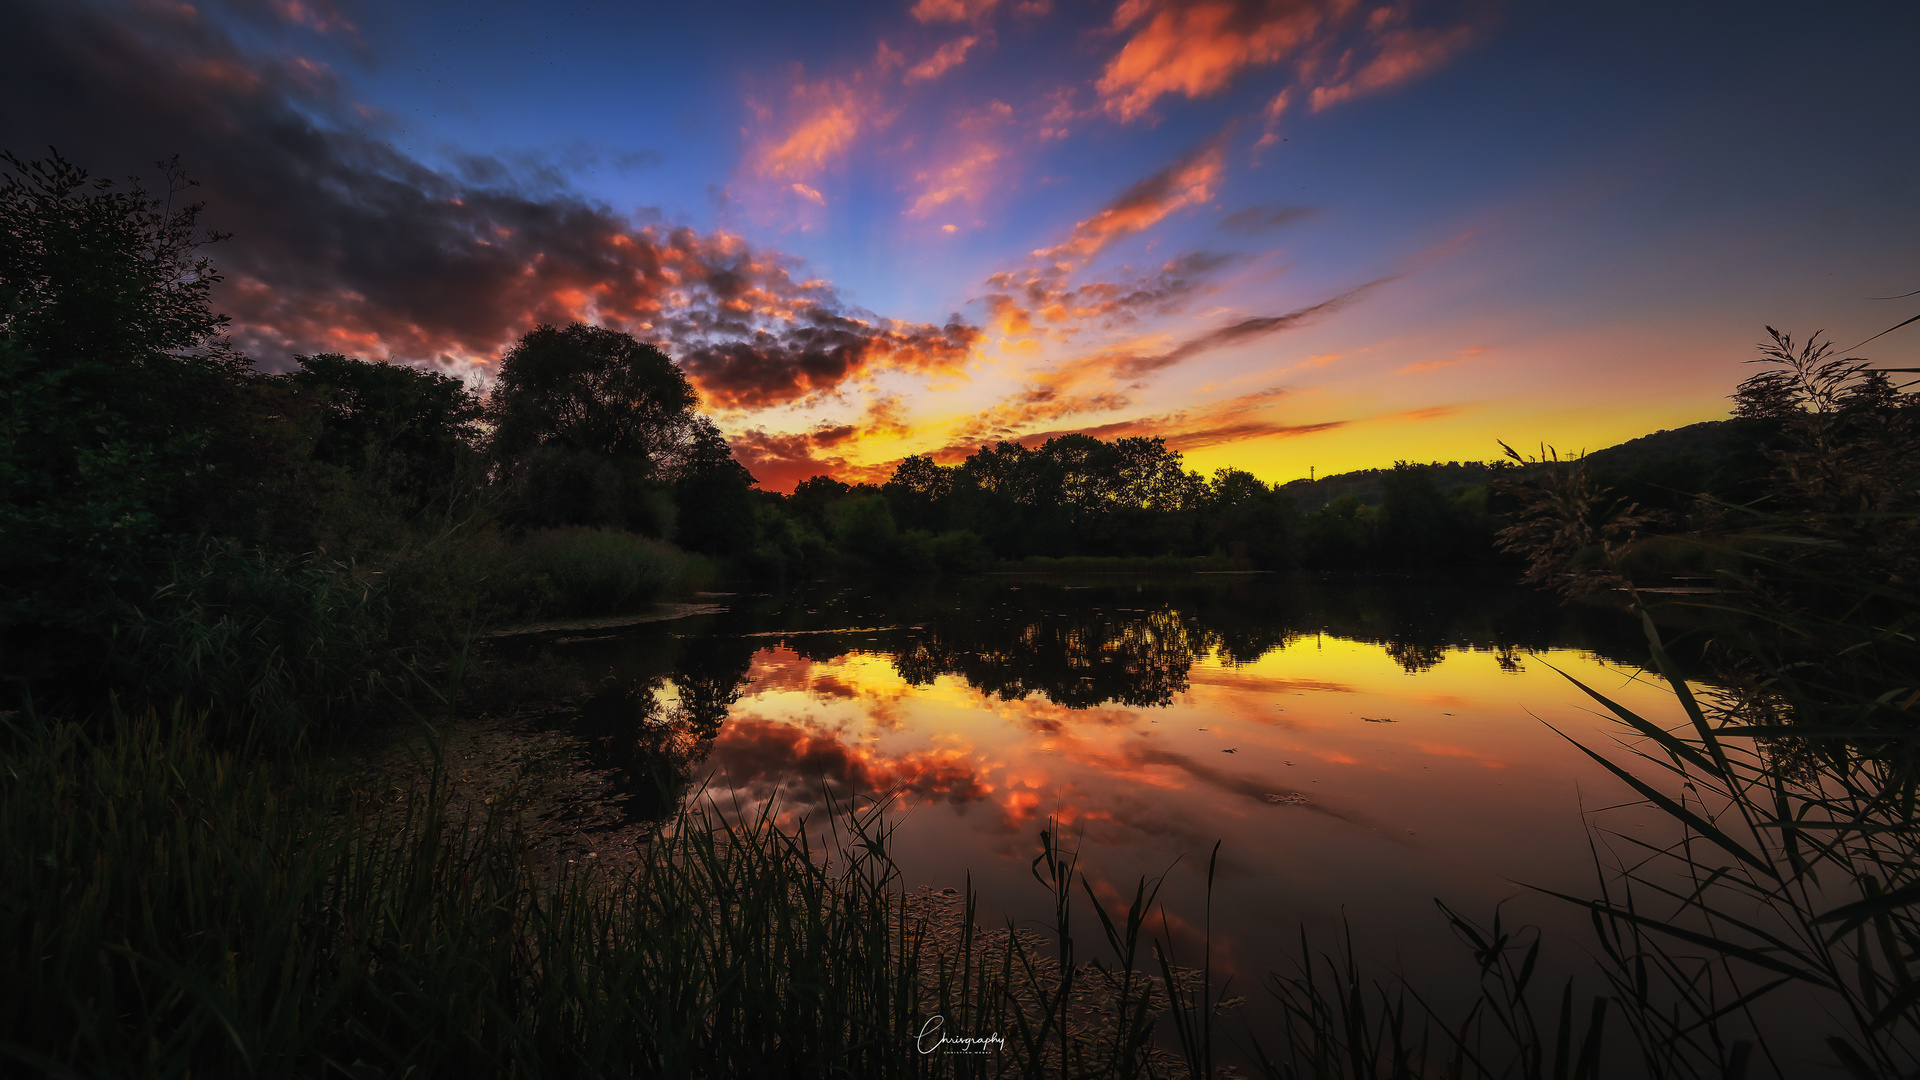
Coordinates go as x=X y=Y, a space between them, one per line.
x=1358 y=747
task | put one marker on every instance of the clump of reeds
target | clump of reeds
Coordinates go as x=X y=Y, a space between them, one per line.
x=266 y=642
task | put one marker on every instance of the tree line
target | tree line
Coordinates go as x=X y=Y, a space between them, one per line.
x=1076 y=497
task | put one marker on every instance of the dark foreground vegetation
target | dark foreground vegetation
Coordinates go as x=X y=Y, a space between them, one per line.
x=203 y=564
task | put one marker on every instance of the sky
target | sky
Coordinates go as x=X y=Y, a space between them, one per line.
x=1282 y=235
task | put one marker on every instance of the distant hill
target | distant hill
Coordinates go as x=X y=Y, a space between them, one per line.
x=1364 y=484
x=1706 y=442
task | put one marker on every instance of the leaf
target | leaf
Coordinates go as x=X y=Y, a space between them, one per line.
x=1852 y=915
x=1727 y=948
x=1675 y=810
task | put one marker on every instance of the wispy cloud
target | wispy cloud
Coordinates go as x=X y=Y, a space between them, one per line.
x=934 y=11
x=949 y=56
x=1103 y=381
x=1196 y=48
x=1401 y=53
x=1340 y=48
x=1047 y=294
x=1267 y=218
x=817 y=121
x=1189 y=181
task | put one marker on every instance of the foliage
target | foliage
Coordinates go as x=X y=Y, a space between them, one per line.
x=591 y=389
x=1572 y=530
x=594 y=428
x=599 y=571
x=413 y=430
x=1809 y=585
x=176 y=523
x=1078 y=498
x=111 y=374
x=1797 y=867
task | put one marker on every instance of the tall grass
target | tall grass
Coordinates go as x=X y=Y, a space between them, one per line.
x=265 y=642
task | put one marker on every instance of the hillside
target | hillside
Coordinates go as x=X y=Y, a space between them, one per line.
x=1706 y=443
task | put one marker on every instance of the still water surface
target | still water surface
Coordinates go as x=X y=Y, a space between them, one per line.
x=1358 y=747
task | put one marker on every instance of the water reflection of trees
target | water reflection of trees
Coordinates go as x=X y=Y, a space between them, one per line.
x=1078 y=658
x=1084 y=642
x=649 y=747
x=1078 y=643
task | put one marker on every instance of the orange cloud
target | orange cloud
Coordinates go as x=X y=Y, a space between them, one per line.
x=1430 y=365
x=814 y=351
x=1403 y=55
x=824 y=120
x=780 y=461
x=1195 y=48
x=928 y=11
x=1043 y=292
x=1431 y=412
x=1068 y=389
x=1275 y=109
x=945 y=59
x=1187 y=182
x=963 y=179
x=319 y=16
x=1225 y=421
x=1222 y=422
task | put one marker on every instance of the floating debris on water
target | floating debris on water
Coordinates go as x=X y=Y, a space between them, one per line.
x=1380 y=720
x=1229 y=750
x=1291 y=798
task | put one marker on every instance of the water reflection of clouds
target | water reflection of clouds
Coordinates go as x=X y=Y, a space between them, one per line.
x=800 y=762
x=1095 y=763
x=1443 y=750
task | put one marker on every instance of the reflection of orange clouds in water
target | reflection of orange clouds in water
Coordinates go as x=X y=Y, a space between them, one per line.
x=779 y=756
x=1442 y=750
x=864 y=679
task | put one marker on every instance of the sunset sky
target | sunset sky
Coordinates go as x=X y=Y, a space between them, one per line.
x=1282 y=235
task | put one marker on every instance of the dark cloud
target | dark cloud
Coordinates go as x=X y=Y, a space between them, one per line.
x=813 y=354
x=1259 y=219
x=1251 y=329
x=345 y=242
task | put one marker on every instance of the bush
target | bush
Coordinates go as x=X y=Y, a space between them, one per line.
x=601 y=571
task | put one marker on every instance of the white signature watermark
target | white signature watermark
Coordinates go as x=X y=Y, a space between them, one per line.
x=932 y=1038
